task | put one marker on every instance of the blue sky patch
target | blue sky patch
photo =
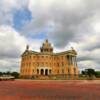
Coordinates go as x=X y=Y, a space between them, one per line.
x=41 y=35
x=21 y=17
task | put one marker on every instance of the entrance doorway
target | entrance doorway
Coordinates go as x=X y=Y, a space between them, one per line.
x=37 y=71
x=42 y=71
x=46 y=72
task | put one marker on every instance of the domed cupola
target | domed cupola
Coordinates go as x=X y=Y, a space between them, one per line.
x=46 y=47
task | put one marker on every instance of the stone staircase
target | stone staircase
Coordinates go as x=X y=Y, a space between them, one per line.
x=43 y=77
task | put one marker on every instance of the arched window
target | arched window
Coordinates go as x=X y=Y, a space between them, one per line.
x=42 y=71
x=68 y=71
x=37 y=71
x=50 y=71
x=75 y=71
x=46 y=72
x=62 y=63
x=57 y=64
x=62 y=71
x=57 y=71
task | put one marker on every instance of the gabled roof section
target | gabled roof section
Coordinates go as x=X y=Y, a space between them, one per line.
x=69 y=52
x=47 y=49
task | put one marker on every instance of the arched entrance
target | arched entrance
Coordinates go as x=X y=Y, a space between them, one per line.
x=37 y=71
x=42 y=71
x=50 y=71
x=46 y=72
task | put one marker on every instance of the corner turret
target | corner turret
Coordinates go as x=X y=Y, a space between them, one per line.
x=27 y=48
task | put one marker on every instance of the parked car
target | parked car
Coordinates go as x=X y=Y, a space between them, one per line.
x=6 y=77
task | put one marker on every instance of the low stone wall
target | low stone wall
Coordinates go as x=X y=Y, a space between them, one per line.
x=56 y=77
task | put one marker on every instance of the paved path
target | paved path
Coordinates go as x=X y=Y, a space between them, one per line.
x=49 y=90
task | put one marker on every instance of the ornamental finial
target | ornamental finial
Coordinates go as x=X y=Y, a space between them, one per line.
x=27 y=47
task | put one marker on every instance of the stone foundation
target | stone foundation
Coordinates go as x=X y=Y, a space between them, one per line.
x=51 y=77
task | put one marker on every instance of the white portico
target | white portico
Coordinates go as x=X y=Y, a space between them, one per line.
x=44 y=70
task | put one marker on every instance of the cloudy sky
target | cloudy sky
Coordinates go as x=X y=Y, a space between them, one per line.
x=66 y=23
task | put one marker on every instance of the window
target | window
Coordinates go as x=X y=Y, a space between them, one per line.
x=29 y=64
x=37 y=71
x=62 y=64
x=58 y=64
x=37 y=57
x=33 y=63
x=68 y=71
x=74 y=70
x=37 y=64
x=42 y=64
x=62 y=57
x=57 y=71
x=50 y=64
x=50 y=71
x=62 y=71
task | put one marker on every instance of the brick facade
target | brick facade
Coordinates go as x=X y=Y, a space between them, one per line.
x=48 y=64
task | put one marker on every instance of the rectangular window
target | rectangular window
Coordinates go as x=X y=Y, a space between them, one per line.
x=62 y=71
x=58 y=64
x=62 y=64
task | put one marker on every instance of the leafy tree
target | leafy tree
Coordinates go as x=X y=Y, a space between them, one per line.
x=97 y=74
x=15 y=74
x=90 y=72
x=83 y=72
x=8 y=73
x=1 y=73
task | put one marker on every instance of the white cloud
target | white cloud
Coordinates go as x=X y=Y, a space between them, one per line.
x=35 y=44
x=88 y=64
x=7 y=9
x=74 y=23
x=7 y=6
x=68 y=23
x=12 y=44
x=9 y=65
x=11 y=40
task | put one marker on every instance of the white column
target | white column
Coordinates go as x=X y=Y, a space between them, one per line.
x=69 y=59
x=48 y=71
x=43 y=71
x=75 y=62
x=39 y=71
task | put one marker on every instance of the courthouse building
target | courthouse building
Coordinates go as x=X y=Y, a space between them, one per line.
x=47 y=64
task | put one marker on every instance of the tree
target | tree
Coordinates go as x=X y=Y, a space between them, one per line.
x=97 y=74
x=90 y=72
x=1 y=73
x=8 y=73
x=15 y=74
x=83 y=72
